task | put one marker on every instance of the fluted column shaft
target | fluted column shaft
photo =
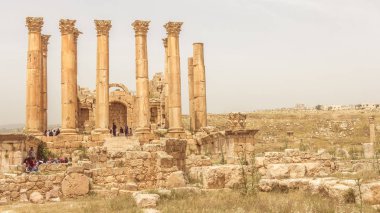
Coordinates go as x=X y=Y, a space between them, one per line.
x=175 y=109
x=200 y=105
x=68 y=76
x=191 y=93
x=44 y=100
x=142 y=81
x=102 y=76
x=34 y=76
x=166 y=84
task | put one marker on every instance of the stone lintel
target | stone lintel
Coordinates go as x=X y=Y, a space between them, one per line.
x=241 y=132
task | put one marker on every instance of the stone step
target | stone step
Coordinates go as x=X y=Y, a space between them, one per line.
x=121 y=144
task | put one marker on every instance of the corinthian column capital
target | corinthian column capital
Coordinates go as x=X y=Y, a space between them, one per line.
x=103 y=27
x=173 y=28
x=165 y=42
x=141 y=27
x=76 y=34
x=34 y=24
x=45 y=42
x=67 y=26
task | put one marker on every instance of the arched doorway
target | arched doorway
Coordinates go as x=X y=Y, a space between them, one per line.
x=118 y=115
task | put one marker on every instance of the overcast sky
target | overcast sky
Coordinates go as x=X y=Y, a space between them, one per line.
x=258 y=53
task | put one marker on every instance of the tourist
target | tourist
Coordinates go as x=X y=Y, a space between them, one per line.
x=126 y=130
x=31 y=153
x=114 y=129
x=121 y=131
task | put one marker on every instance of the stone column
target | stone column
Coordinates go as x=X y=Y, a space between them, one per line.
x=102 y=76
x=175 y=109
x=372 y=130
x=200 y=106
x=142 y=81
x=44 y=102
x=166 y=85
x=34 y=76
x=68 y=78
x=191 y=92
x=76 y=35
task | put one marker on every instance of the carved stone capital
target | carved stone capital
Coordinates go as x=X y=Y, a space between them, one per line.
x=45 y=42
x=173 y=28
x=34 y=24
x=165 y=41
x=141 y=27
x=76 y=34
x=67 y=26
x=103 y=27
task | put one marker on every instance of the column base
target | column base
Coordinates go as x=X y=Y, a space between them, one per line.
x=142 y=130
x=176 y=130
x=68 y=132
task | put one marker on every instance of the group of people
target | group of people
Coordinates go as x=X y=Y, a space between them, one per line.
x=52 y=132
x=121 y=131
x=31 y=163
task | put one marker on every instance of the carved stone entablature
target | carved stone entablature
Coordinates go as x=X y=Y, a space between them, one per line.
x=34 y=24
x=45 y=42
x=165 y=41
x=140 y=27
x=237 y=121
x=103 y=27
x=173 y=28
x=67 y=26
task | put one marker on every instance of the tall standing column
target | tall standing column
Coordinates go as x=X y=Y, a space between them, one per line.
x=200 y=105
x=191 y=93
x=102 y=76
x=166 y=84
x=44 y=103
x=372 y=129
x=76 y=35
x=142 y=81
x=175 y=109
x=34 y=76
x=68 y=76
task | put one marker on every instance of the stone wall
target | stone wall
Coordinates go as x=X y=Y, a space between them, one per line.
x=295 y=164
x=14 y=149
x=231 y=146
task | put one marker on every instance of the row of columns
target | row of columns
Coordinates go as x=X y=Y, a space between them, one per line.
x=36 y=116
x=36 y=83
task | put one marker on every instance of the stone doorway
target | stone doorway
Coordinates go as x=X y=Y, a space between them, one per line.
x=118 y=115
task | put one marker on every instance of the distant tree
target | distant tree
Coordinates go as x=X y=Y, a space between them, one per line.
x=318 y=107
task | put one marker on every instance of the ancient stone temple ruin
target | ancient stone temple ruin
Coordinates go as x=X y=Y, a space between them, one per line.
x=159 y=152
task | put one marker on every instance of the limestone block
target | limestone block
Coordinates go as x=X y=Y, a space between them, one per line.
x=278 y=171
x=75 y=184
x=223 y=176
x=74 y=169
x=146 y=200
x=368 y=150
x=54 y=193
x=36 y=197
x=176 y=179
x=150 y=210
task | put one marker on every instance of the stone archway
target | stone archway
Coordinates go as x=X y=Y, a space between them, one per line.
x=118 y=114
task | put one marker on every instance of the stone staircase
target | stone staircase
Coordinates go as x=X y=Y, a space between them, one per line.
x=121 y=144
